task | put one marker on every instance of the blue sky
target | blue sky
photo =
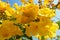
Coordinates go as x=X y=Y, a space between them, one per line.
x=55 y=18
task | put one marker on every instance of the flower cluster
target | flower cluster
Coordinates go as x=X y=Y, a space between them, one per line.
x=35 y=19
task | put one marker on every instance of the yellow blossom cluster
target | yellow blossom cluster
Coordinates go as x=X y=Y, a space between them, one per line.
x=34 y=19
x=47 y=12
x=8 y=29
x=48 y=30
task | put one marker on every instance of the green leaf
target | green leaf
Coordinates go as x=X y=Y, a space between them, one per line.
x=58 y=37
x=42 y=38
x=58 y=22
x=13 y=38
x=25 y=37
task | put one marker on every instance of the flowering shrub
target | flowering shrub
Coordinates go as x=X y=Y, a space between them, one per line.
x=23 y=22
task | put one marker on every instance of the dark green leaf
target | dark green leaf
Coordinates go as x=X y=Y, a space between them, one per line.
x=58 y=22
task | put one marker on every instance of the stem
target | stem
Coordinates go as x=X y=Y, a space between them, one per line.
x=40 y=3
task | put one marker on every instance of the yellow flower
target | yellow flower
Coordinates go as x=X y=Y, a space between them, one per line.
x=5 y=8
x=32 y=30
x=18 y=17
x=16 y=6
x=8 y=29
x=52 y=30
x=25 y=20
x=49 y=31
x=9 y=11
x=26 y=13
x=38 y=20
x=43 y=32
x=2 y=9
x=54 y=27
x=43 y=21
x=2 y=6
x=46 y=2
x=30 y=10
x=47 y=36
x=47 y=12
x=35 y=28
x=21 y=18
